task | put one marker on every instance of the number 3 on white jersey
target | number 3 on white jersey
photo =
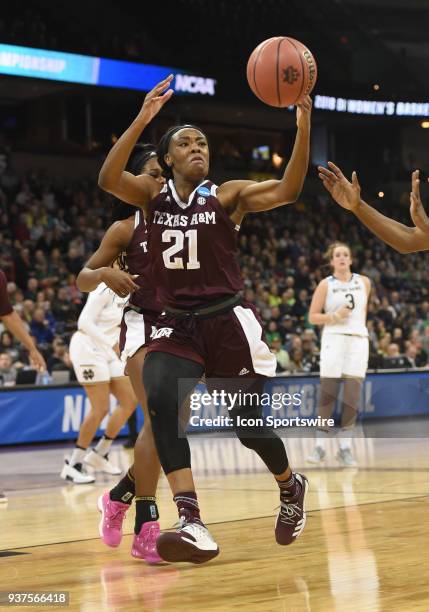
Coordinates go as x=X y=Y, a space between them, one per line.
x=176 y=263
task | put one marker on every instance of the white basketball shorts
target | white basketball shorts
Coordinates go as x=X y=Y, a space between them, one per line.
x=343 y=355
x=93 y=364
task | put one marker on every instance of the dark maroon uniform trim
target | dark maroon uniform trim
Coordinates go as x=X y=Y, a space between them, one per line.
x=218 y=343
x=5 y=305
x=193 y=248
x=137 y=262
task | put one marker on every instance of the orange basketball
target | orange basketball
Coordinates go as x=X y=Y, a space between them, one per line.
x=281 y=70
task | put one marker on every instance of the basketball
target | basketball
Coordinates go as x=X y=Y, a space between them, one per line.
x=281 y=70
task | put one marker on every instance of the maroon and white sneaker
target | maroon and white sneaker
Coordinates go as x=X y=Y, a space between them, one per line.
x=291 y=518
x=191 y=542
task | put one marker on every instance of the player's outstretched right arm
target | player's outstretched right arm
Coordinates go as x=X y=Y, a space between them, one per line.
x=137 y=190
x=399 y=236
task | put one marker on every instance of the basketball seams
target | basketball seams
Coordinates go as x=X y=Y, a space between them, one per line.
x=277 y=71
x=302 y=68
x=255 y=63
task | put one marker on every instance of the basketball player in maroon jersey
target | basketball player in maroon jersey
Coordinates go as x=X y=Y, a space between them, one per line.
x=12 y=321
x=126 y=241
x=399 y=236
x=207 y=327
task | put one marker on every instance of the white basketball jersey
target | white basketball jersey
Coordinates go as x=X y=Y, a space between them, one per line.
x=353 y=294
x=102 y=314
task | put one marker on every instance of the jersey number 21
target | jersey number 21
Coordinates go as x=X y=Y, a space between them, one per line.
x=177 y=263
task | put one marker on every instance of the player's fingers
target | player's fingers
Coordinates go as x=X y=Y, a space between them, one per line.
x=355 y=181
x=335 y=170
x=163 y=84
x=306 y=102
x=327 y=173
x=327 y=185
x=165 y=97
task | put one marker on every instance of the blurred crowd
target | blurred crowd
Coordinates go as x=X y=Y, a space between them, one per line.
x=48 y=230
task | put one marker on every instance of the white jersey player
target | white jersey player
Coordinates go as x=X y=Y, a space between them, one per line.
x=94 y=353
x=340 y=305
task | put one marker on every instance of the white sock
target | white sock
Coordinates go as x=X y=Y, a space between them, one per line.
x=321 y=438
x=78 y=455
x=346 y=444
x=103 y=446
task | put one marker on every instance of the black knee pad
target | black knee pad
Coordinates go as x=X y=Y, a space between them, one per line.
x=161 y=375
x=256 y=436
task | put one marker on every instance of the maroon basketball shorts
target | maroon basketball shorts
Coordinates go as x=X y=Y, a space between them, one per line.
x=137 y=325
x=227 y=345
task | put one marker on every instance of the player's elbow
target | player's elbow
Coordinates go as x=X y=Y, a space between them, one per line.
x=404 y=248
x=104 y=182
x=292 y=195
x=311 y=318
x=80 y=282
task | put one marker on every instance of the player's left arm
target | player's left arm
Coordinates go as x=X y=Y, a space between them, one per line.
x=367 y=283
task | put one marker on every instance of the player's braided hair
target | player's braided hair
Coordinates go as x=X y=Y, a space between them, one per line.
x=164 y=144
x=140 y=155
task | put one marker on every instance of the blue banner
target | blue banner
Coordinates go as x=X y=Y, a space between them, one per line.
x=45 y=414
x=56 y=413
x=88 y=70
x=383 y=396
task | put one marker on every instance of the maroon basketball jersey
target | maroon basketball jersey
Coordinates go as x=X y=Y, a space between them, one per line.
x=192 y=247
x=137 y=262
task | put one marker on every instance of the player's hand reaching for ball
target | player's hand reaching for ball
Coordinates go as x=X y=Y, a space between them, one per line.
x=344 y=192
x=119 y=281
x=418 y=213
x=155 y=100
x=303 y=112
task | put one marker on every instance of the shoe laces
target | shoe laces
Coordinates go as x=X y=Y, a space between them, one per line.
x=116 y=516
x=152 y=534
x=289 y=512
x=196 y=527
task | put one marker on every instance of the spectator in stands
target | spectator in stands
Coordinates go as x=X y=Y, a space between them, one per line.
x=411 y=355
x=7 y=370
x=32 y=287
x=59 y=349
x=393 y=358
x=74 y=261
x=63 y=308
x=297 y=362
x=398 y=338
x=23 y=267
x=40 y=327
x=7 y=345
x=282 y=356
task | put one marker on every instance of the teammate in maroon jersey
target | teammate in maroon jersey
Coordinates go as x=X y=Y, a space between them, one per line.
x=207 y=327
x=13 y=323
x=126 y=241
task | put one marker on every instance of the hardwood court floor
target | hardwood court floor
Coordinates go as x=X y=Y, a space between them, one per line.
x=365 y=547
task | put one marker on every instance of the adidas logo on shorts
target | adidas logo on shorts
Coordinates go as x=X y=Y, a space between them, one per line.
x=243 y=372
